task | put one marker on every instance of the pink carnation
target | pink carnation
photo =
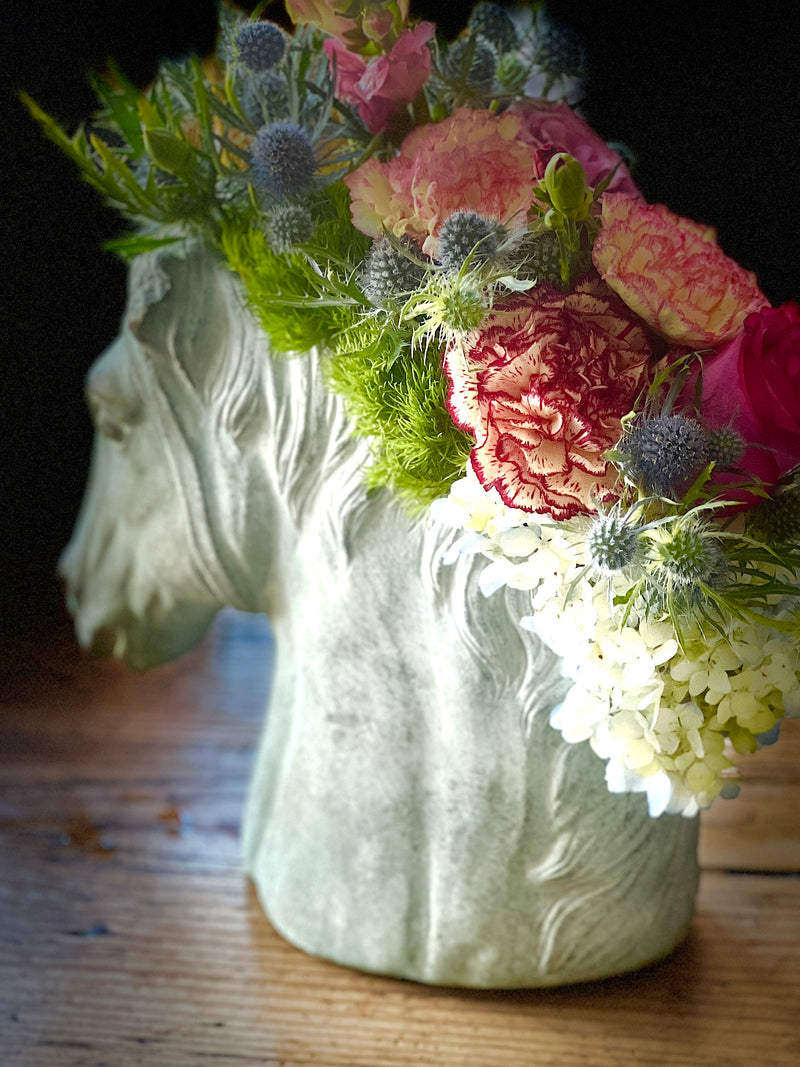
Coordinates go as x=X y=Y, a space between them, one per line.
x=672 y=273
x=378 y=87
x=556 y=127
x=472 y=161
x=543 y=386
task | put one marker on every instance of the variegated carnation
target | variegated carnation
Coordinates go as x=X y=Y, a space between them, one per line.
x=472 y=161
x=543 y=386
x=672 y=273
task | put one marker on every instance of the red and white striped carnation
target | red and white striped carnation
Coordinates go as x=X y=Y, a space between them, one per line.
x=543 y=386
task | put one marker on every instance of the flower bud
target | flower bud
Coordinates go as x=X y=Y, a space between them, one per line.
x=564 y=182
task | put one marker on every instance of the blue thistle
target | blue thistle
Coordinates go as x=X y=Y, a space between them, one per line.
x=661 y=452
x=466 y=232
x=282 y=158
x=388 y=273
x=492 y=22
x=287 y=225
x=471 y=61
x=688 y=556
x=542 y=257
x=778 y=519
x=612 y=544
x=260 y=45
x=559 y=51
x=724 y=446
x=263 y=97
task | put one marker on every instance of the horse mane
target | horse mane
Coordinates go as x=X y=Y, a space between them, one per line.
x=281 y=415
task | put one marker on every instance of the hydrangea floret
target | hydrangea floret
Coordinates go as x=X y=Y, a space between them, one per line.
x=582 y=385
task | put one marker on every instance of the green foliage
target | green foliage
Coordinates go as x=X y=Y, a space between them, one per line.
x=280 y=293
x=397 y=396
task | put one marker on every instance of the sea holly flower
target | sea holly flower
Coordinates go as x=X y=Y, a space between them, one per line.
x=543 y=386
x=288 y=225
x=282 y=158
x=473 y=160
x=380 y=85
x=470 y=63
x=260 y=45
x=613 y=543
x=464 y=234
x=559 y=51
x=672 y=273
x=724 y=446
x=390 y=272
x=492 y=22
x=662 y=452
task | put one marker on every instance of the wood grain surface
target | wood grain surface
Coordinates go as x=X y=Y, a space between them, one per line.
x=128 y=934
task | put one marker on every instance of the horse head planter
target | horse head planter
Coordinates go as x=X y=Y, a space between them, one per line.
x=411 y=812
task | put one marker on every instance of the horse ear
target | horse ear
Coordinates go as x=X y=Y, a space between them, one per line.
x=180 y=313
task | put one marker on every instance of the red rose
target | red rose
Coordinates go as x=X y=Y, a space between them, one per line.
x=753 y=383
x=543 y=386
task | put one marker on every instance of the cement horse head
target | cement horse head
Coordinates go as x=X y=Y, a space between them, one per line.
x=197 y=452
x=411 y=811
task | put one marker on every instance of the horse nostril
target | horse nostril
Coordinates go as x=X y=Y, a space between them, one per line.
x=105 y=642
x=73 y=597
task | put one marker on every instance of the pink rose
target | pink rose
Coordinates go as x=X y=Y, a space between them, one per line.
x=556 y=127
x=378 y=87
x=753 y=384
x=672 y=273
x=543 y=386
x=472 y=161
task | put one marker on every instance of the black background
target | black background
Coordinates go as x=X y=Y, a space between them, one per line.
x=707 y=99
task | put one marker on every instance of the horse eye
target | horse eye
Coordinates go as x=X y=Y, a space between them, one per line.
x=106 y=425
x=110 y=423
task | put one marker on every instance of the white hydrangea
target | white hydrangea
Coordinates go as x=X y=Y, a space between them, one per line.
x=663 y=718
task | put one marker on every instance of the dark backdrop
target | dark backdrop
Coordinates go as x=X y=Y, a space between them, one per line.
x=708 y=101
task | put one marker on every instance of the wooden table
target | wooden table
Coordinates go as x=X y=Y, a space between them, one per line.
x=128 y=934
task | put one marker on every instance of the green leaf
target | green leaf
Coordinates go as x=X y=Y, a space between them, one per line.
x=132 y=245
x=119 y=179
x=121 y=103
x=172 y=154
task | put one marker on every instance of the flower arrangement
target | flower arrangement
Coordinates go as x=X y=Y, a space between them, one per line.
x=582 y=383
